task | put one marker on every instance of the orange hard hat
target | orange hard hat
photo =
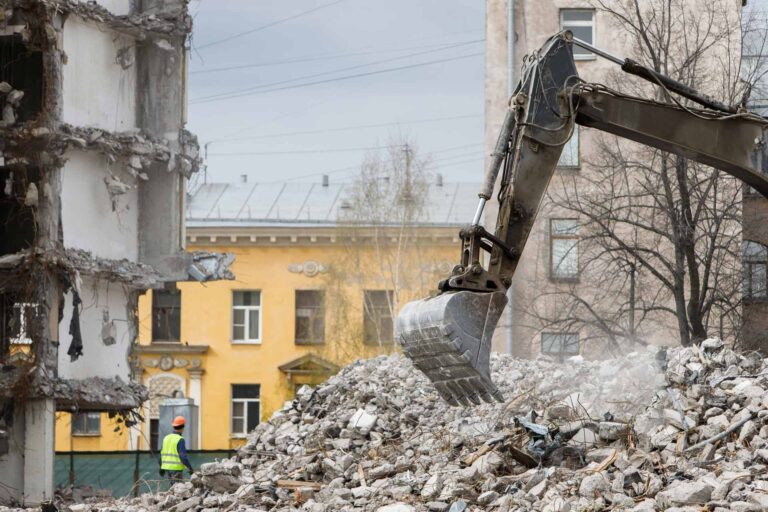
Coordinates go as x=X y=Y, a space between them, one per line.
x=178 y=421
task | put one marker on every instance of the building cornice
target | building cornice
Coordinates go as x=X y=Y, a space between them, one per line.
x=169 y=348
x=291 y=235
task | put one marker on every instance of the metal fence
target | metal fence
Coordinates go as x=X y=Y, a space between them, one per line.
x=121 y=472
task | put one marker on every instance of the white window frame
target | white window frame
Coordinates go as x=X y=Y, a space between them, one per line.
x=553 y=238
x=244 y=417
x=562 y=354
x=574 y=140
x=246 y=319
x=591 y=24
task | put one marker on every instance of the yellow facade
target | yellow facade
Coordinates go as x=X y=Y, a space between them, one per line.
x=112 y=436
x=206 y=363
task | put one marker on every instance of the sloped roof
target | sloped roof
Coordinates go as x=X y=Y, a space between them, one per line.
x=311 y=204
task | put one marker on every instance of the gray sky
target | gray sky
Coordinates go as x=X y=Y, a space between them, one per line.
x=383 y=35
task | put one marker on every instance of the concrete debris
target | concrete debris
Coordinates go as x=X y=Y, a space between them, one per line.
x=32 y=197
x=199 y=265
x=147 y=25
x=13 y=99
x=210 y=266
x=94 y=393
x=136 y=149
x=652 y=444
x=78 y=261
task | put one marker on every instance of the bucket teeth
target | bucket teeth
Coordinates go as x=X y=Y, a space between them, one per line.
x=448 y=337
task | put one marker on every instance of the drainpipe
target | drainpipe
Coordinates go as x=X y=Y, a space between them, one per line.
x=510 y=89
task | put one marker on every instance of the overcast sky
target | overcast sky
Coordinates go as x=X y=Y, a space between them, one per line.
x=338 y=38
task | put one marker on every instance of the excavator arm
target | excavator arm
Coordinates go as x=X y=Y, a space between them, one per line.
x=449 y=336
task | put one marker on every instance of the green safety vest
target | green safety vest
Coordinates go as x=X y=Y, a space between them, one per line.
x=169 y=455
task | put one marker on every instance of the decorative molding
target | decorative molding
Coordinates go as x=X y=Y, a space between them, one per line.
x=169 y=348
x=195 y=373
x=309 y=268
x=289 y=234
x=166 y=362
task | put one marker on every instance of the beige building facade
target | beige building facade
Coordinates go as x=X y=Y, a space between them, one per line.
x=551 y=265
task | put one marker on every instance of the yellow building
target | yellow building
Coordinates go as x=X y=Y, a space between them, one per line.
x=311 y=295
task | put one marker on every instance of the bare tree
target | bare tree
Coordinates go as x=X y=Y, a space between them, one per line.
x=378 y=228
x=660 y=235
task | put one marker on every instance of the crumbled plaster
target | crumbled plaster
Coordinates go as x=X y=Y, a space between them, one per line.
x=211 y=266
x=93 y=393
x=77 y=261
x=137 y=149
x=141 y=26
x=196 y=265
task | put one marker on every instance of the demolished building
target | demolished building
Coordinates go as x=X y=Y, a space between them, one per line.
x=94 y=160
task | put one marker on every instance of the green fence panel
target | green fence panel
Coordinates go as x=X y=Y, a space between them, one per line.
x=121 y=473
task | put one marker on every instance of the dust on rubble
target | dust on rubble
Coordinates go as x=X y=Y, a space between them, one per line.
x=620 y=434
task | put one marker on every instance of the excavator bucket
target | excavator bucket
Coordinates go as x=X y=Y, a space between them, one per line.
x=448 y=337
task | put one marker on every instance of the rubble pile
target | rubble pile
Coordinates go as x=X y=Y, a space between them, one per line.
x=684 y=432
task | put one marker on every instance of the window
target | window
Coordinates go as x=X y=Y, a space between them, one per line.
x=560 y=344
x=310 y=316
x=563 y=249
x=581 y=22
x=569 y=158
x=755 y=256
x=377 y=317
x=154 y=435
x=761 y=163
x=246 y=317
x=246 y=408
x=86 y=424
x=166 y=315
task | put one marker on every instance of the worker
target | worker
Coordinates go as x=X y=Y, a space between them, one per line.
x=173 y=456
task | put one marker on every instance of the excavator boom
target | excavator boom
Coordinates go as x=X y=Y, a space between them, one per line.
x=449 y=336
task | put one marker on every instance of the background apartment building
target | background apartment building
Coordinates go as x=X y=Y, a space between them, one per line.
x=552 y=265
x=755 y=246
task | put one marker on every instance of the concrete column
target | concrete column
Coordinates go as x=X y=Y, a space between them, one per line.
x=39 y=438
x=11 y=463
x=196 y=393
x=161 y=74
x=137 y=375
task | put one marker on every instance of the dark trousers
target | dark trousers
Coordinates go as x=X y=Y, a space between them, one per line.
x=174 y=476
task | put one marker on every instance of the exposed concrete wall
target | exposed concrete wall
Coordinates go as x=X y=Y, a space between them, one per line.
x=97 y=90
x=118 y=7
x=161 y=114
x=39 y=439
x=98 y=359
x=10 y=474
x=87 y=217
